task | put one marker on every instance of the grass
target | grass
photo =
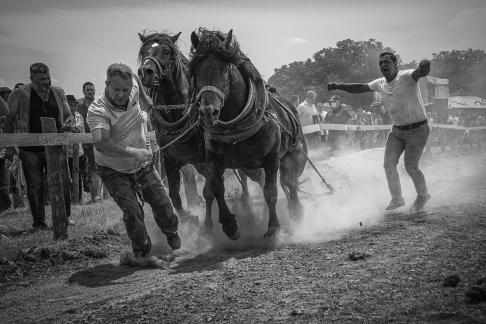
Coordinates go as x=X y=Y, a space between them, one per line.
x=16 y=225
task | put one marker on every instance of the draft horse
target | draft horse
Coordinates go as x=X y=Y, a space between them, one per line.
x=163 y=71
x=244 y=126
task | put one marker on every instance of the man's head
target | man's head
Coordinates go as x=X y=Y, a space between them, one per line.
x=335 y=102
x=17 y=85
x=118 y=83
x=388 y=65
x=310 y=97
x=88 y=90
x=40 y=77
x=294 y=100
x=73 y=103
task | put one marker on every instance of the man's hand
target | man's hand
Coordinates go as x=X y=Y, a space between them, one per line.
x=422 y=70
x=331 y=86
x=141 y=155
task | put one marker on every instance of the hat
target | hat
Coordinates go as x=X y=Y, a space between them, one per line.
x=335 y=97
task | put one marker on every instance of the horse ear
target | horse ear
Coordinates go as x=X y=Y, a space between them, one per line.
x=194 y=40
x=227 y=40
x=142 y=38
x=175 y=37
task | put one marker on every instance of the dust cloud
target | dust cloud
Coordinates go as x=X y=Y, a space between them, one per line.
x=359 y=201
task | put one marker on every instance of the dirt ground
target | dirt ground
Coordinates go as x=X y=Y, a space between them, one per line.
x=347 y=262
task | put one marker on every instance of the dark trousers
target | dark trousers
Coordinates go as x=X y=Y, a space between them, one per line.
x=4 y=186
x=34 y=166
x=126 y=189
x=80 y=176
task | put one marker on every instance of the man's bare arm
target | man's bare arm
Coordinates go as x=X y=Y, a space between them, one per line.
x=422 y=70
x=104 y=144
x=349 y=87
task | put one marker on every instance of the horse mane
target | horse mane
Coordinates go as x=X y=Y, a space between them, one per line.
x=211 y=42
x=162 y=38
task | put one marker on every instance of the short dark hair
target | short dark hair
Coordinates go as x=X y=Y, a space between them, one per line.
x=71 y=99
x=120 y=69
x=87 y=84
x=38 y=68
x=18 y=85
x=392 y=56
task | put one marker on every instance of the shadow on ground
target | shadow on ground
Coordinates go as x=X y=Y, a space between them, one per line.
x=101 y=275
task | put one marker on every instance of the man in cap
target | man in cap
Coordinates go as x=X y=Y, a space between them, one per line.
x=336 y=115
x=401 y=97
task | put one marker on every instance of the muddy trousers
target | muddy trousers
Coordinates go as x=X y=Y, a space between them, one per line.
x=412 y=142
x=126 y=190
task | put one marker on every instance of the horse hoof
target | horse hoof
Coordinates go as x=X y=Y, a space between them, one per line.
x=232 y=232
x=271 y=232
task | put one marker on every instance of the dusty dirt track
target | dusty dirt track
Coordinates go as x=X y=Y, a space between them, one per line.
x=311 y=275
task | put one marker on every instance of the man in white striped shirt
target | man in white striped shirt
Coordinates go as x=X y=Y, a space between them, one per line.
x=402 y=98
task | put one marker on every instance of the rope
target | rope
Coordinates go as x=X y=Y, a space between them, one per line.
x=180 y=136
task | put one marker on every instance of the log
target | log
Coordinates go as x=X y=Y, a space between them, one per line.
x=56 y=184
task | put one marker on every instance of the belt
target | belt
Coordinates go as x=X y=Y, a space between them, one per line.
x=411 y=126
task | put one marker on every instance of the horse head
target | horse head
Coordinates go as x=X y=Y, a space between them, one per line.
x=213 y=61
x=158 y=58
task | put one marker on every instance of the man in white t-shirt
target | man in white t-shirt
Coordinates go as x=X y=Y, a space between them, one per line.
x=402 y=98
x=124 y=161
x=307 y=110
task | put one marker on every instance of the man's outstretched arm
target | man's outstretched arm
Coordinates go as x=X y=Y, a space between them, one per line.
x=349 y=87
x=422 y=70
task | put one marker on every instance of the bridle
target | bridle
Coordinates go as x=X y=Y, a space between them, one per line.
x=210 y=88
x=161 y=72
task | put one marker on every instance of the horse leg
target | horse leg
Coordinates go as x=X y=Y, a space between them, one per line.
x=216 y=183
x=245 y=194
x=270 y=193
x=290 y=181
x=174 y=181
x=208 y=196
x=190 y=185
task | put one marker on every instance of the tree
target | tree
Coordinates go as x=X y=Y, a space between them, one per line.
x=465 y=69
x=349 y=61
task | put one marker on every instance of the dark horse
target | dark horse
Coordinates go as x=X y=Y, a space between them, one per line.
x=245 y=127
x=164 y=72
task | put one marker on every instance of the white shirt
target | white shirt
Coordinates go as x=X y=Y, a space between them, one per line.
x=306 y=112
x=401 y=98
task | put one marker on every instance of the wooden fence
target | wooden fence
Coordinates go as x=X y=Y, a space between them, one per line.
x=56 y=166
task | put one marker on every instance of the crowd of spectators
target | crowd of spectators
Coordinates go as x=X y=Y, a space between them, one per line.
x=335 y=111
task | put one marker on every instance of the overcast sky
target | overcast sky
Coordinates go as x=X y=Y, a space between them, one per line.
x=79 y=39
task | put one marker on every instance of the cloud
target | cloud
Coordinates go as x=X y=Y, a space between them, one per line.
x=297 y=41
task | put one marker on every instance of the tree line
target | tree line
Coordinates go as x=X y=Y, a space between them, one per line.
x=357 y=61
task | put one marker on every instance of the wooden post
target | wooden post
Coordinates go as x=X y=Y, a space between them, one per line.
x=75 y=174
x=55 y=179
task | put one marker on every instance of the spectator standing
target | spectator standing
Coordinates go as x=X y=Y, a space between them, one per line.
x=90 y=175
x=4 y=173
x=337 y=115
x=27 y=104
